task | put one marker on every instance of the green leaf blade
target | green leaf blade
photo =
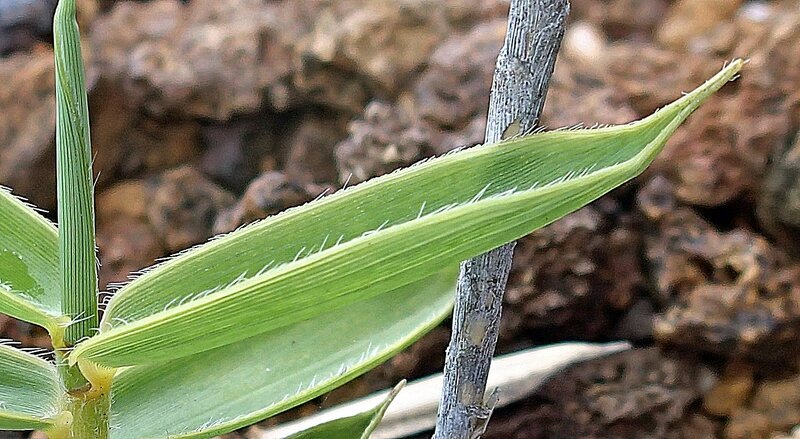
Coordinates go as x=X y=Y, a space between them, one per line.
x=242 y=383
x=503 y=192
x=75 y=184
x=357 y=426
x=28 y=264
x=29 y=391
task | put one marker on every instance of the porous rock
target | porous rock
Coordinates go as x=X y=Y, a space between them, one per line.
x=570 y=277
x=215 y=59
x=720 y=154
x=686 y=19
x=731 y=391
x=27 y=136
x=23 y=23
x=641 y=393
x=775 y=406
x=621 y=19
x=727 y=293
x=580 y=95
x=779 y=200
x=183 y=207
x=383 y=140
x=308 y=148
x=270 y=193
x=445 y=108
x=128 y=143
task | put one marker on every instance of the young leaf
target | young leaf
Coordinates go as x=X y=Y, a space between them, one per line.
x=75 y=188
x=356 y=426
x=28 y=264
x=236 y=385
x=29 y=391
x=392 y=231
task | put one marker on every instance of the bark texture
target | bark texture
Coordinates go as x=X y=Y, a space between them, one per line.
x=524 y=67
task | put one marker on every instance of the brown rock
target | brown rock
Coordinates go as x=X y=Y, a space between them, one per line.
x=779 y=401
x=384 y=140
x=585 y=43
x=126 y=240
x=735 y=321
x=445 y=109
x=28 y=335
x=580 y=95
x=27 y=133
x=569 y=277
x=27 y=128
x=731 y=391
x=385 y=40
x=731 y=294
x=454 y=90
x=23 y=24
x=713 y=158
x=268 y=194
x=128 y=199
x=127 y=244
x=87 y=11
x=184 y=57
x=183 y=207
x=235 y=151
x=779 y=202
x=129 y=144
x=686 y=19
x=688 y=252
x=24 y=333
x=215 y=59
x=775 y=407
x=747 y=424
x=142 y=220
x=720 y=154
x=647 y=78
x=622 y=19
x=635 y=394
x=793 y=434
x=309 y=148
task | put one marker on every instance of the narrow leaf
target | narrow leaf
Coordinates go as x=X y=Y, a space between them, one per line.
x=29 y=391
x=391 y=231
x=28 y=264
x=78 y=262
x=237 y=385
x=356 y=426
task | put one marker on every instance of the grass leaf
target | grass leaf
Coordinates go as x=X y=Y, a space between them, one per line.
x=375 y=237
x=29 y=391
x=28 y=264
x=78 y=261
x=218 y=391
x=356 y=426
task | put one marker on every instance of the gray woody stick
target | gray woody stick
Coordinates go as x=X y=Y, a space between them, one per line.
x=522 y=74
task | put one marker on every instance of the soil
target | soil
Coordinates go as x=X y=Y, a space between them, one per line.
x=210 y=114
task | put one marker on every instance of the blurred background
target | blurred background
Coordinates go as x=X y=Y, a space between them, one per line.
x=209 y=114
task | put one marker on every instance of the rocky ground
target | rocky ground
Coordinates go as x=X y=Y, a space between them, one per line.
x=209 y=114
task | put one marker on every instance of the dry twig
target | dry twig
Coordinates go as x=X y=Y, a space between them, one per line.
x=524 y=67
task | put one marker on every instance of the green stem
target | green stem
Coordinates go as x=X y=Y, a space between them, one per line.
x=90 y=417
x=87 y=407
x=84 y=417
